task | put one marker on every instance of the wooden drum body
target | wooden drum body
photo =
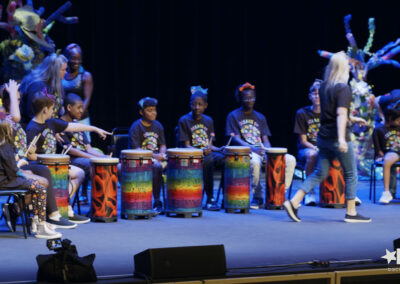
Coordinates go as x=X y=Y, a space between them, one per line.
x=59 y=170
x=104 y=189
x=136 y=183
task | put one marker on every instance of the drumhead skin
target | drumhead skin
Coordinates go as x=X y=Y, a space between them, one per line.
x=53 y=159
x=239 y=150
x=276 y=150
x=185 y=152
x=136 y=154
x=104 y=160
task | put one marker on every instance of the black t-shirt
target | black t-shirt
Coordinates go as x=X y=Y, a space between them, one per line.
x=78 y=140
x=307 y=122
x=387 y=139
x=386 y=100
x=47 y=143
x=198 y=132
x=250 y=127
x=149 y=138
x=331 y=98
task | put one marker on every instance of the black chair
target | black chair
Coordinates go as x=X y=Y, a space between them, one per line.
x=120 y=140
x=19 y=195
x=372 y=180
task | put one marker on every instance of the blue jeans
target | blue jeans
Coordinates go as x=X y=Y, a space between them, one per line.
x=329 y=150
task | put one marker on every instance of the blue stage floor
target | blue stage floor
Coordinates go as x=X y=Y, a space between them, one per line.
x=259 y=238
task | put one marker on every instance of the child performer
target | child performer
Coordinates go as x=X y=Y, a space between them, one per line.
x=41 y=123
x=12 y=178
x=251 y=129
x=387 y=146
x=41 y=173
x=333 y=138
x=148 y=133
x=81 y=150
x=196 y=130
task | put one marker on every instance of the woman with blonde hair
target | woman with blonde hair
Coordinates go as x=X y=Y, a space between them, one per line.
x=333 y=139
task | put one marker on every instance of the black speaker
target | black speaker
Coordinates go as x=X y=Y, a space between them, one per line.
x=181 y=262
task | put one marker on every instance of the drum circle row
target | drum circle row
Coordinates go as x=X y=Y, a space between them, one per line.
x=184 y=182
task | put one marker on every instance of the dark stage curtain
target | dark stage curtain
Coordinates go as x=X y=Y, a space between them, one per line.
x=161 y=48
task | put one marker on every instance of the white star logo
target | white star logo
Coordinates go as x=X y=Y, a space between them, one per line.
x=389 y=256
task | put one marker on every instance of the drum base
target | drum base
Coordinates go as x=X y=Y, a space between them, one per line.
x=104 y=219
x=332 y=205
x=183 y=214
x=273 y=207
x=137 y=216
x=237 y=210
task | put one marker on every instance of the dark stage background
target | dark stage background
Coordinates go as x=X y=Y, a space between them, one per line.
x=161 y=48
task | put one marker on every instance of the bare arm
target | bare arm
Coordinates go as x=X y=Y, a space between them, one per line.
x=341 y=121
x=304 y=142
x=87 y=89
x=76 y=127
x=78 y=153
x=12 y=88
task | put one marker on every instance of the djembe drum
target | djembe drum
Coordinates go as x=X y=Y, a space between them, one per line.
x=275 y=177
x=332 y=188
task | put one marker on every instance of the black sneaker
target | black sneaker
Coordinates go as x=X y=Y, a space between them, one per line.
x=62 y=223
x=158 y=208
x=356 y=219
x=256 y=203
x=78 y=219
x=7 y=216
x=212 y=205
x=291 y=211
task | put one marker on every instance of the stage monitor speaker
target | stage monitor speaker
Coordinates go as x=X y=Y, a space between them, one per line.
x=181 y=262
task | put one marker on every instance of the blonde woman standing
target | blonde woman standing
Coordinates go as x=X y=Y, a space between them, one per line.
x=333 y=139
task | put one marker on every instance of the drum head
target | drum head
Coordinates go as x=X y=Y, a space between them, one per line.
x=104 y=160
x=276 y=150
x=185 y=153
x=50 y=159
x=136 y=154
x=237 y=150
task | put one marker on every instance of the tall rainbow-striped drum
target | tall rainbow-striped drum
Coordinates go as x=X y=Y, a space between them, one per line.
x=104 y=189
x=59 y=170
x=136 y=183
x=275 y=177
x=184 y=181
x=237 y=179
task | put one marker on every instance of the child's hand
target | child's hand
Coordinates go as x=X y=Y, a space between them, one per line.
x=12 y=87
x=258 y=150
x=22 y=163
x=206 y=151
x=160 y=157
x=102 y=133
x=59 y=138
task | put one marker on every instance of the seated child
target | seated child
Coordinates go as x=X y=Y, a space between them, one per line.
x=42 y=123
x=148 y=133
x=196 y=130
x=251 y=129
x=387 y=147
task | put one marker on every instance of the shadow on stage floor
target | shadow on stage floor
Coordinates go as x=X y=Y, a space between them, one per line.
x=260 y=238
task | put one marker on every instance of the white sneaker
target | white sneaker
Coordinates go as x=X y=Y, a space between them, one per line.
x=386 y=197
x=310 y=199
x=43 y=232
x=48 y=225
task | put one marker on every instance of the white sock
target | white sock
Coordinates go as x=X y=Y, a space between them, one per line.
x=56 y=217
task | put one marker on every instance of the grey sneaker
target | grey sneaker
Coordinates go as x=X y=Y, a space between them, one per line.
x=42 y=232
x=78 y=219
x=62 y=223
x=356 y=219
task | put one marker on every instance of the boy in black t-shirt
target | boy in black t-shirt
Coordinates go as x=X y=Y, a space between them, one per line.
x=147 y=133
x=43 y=105
x=387 y=148
x=81 y=150
x=307 y=126
x=251 y=129
x=196 y=130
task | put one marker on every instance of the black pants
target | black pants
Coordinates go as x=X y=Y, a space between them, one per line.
x=209 y=162
x=44 y=171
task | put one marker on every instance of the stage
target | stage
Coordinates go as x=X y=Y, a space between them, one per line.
x=262 y=237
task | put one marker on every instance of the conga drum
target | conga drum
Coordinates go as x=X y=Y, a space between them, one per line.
x=184 y=182
x=59 y=170
x=331 y=189
x=237 y=179
x=275 y=178
x=136 y=183
x=104 y=189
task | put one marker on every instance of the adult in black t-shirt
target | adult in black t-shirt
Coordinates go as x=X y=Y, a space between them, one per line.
x=333 y=138
x=306 y=126
x=147 y=133
x=196 y=130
